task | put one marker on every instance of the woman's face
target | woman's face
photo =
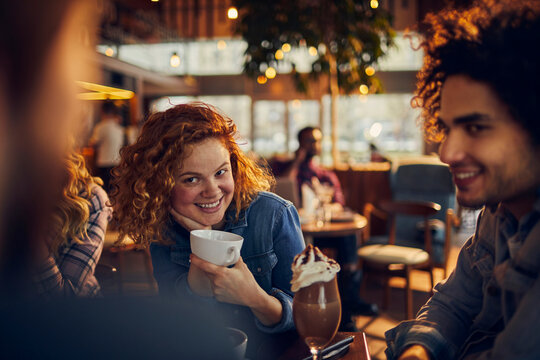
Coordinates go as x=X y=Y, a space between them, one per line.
x=205 y=186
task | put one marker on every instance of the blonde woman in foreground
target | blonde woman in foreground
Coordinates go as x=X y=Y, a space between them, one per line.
x=66 y=258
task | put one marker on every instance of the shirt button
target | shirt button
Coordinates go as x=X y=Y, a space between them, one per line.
x=259 y=269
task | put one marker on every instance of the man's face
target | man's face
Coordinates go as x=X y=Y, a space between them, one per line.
x=312 y=143
x=490 y=155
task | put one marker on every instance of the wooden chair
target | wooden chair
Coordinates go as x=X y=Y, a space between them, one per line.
x=425 y=179
x=118 y=252
x=287 y=188
x=399 y=260
x=105 y=274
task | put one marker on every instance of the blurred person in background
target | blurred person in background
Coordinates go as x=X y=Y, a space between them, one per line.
x=108 y=137
x=44 y=48
x=304 y=170
x=67 y=256
x=479 y=92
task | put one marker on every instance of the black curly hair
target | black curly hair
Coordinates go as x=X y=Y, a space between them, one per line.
x=495 y=42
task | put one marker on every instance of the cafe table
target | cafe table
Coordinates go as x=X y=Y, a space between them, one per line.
x=349 y=224
x=357 y=350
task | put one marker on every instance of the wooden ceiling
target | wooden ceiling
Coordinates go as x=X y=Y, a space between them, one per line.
x=146 y=21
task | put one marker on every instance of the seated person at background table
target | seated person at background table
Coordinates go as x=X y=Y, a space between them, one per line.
x=187 y=172
x=303 y=169
x=66 y=258
x=486 y=118
x=376 y=154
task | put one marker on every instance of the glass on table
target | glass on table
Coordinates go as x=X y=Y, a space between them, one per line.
x=317 y=314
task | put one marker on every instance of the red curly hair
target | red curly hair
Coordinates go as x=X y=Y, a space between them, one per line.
x=144 y=179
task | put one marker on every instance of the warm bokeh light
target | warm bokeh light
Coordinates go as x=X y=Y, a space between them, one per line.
x=109 y=51
x=374 y=4
x=102 y=92
x=370 y=71
x=375 y=130
x=286 y=47
x=221 y=44
x=312 y=51
x=279 y=54
x=270 y=73
x=363 y=89
x=232 y=13
x=175 y=60
x=261 y=79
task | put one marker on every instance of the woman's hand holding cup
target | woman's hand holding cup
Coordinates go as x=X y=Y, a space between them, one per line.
x=235 y=285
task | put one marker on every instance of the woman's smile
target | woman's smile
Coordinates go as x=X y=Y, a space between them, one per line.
x=205 y=186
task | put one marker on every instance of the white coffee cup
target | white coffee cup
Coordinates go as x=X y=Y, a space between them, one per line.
x=218 y=247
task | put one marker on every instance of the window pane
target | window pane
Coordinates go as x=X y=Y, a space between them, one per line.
x=269 y=128
x=302 y=113
x=387 y=120
x=238 y=108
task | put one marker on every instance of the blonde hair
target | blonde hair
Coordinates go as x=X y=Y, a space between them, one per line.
x=144 y=179
x=71 y=212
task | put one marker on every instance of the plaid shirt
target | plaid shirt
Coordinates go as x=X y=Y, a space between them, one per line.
x=71 y=273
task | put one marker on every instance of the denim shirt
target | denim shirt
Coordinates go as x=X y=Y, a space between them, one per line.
x=272 y=237
x=489 y=307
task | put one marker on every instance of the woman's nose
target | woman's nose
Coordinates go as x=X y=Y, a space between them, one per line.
x=211 y=188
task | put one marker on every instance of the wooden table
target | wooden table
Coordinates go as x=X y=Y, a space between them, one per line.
x=336 y=229
x=358 y=349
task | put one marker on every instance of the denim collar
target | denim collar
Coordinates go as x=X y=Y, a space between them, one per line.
x=230 y=216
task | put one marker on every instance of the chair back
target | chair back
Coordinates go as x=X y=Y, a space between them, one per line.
x=424 y=182
x=410 y=209
x=287 y=189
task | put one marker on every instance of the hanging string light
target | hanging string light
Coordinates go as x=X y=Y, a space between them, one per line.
x=270 y=73
x=232 y=13
x=363 y=89
x=109 y=51
x=175 y=60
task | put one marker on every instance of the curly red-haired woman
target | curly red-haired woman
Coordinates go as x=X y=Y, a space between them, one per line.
x=185 y=172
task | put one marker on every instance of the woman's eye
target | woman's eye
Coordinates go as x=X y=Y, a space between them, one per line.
x=221 y=172
x=190 y=180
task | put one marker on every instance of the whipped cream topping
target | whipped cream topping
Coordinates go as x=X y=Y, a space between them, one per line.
x=311 y=266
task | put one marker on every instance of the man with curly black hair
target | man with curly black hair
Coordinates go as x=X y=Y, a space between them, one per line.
x=478 y=90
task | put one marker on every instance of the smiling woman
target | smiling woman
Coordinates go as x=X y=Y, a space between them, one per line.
x=186 y=172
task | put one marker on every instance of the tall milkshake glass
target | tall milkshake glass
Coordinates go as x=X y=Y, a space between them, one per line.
x=316 y=303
